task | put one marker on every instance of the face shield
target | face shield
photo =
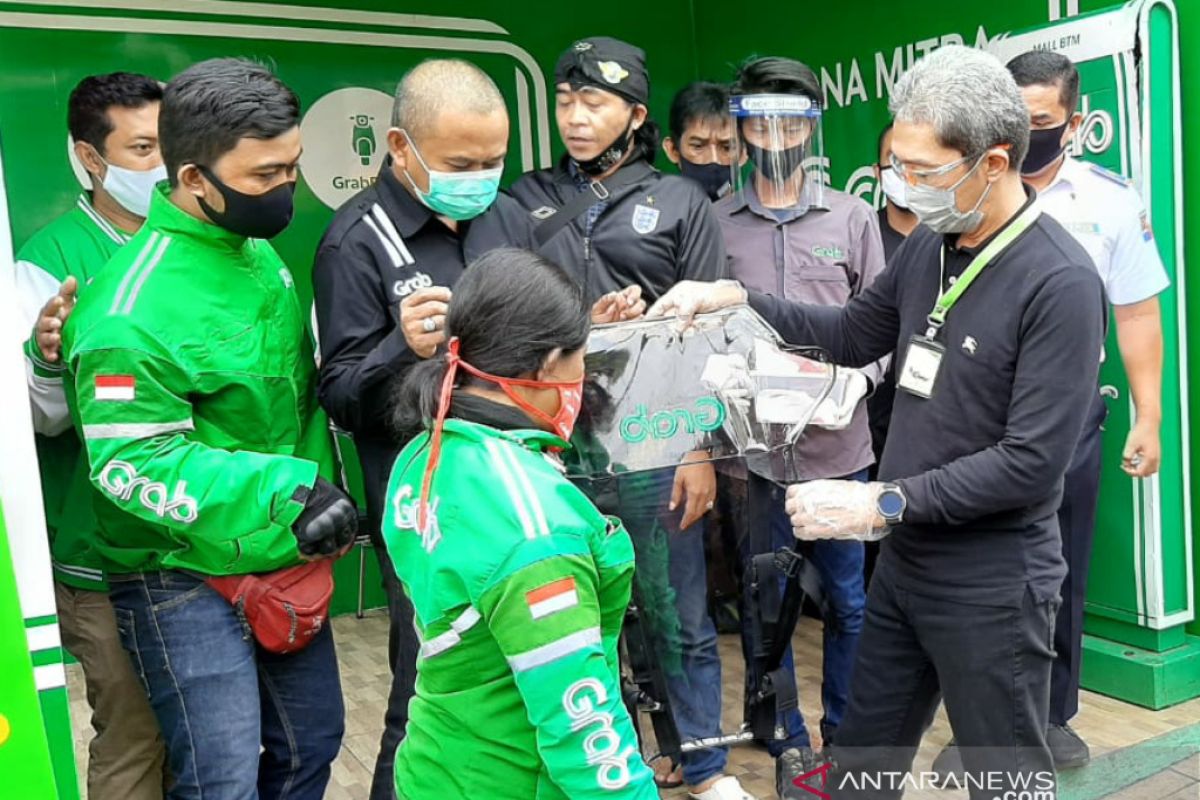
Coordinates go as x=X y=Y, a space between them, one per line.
x=780 y=136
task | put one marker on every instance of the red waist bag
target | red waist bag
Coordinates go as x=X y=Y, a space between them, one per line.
x=284 y=609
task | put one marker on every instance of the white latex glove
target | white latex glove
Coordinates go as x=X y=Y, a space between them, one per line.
x=857 y=387
x=835 y=510
x=686 y=299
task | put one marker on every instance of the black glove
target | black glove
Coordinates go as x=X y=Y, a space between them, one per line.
x=328 y=522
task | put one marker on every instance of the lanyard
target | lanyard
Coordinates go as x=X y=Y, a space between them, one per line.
x=946 y=299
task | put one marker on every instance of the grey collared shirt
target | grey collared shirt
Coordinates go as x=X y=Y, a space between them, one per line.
x=823 y=255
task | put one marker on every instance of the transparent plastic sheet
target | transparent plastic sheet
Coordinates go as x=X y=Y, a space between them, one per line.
x=726 y=385
x=781 y=136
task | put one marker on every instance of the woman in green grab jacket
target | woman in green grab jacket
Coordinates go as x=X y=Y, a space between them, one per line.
x=518 y=582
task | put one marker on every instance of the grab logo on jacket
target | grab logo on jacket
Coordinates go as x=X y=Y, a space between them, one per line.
x=121 y=480
x=419 y=280
x=602 y=745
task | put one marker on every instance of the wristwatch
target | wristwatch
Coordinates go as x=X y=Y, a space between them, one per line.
x=890 y=504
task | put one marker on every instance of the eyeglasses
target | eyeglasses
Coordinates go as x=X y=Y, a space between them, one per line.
x=913 y=176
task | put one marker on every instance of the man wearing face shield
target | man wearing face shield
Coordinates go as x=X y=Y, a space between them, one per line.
x=618 y=225
x=192 y=382
x=791 y=237
x=997 y=318
x=113 y=120
x=382 y=279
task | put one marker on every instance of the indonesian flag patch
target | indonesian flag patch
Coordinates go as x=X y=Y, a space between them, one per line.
x=552 y=598
x=114 y=387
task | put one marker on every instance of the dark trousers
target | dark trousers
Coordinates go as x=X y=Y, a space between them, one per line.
x=991 y=665
x=1077 y=521
x=403 y=645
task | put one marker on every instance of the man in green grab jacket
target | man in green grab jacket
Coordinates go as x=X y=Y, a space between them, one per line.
x=113 y=121
x=192 y=382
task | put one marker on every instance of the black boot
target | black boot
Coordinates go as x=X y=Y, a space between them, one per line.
x=1067 y=747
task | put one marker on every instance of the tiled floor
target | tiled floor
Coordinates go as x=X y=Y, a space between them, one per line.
x=1105 y=723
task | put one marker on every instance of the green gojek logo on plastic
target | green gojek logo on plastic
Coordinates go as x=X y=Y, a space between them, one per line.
x=707 y=416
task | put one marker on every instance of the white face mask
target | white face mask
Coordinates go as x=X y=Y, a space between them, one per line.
x=133 y=188
x=894 y=188
x=938 y=208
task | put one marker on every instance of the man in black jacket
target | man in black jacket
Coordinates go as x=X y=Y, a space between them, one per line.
x=618 y=225
x=996 y=365
x=382 y=279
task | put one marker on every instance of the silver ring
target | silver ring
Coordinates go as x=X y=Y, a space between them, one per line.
x=429 y=325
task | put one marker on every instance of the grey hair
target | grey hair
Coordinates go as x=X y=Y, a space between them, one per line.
x=969 y=98
x=439 y=84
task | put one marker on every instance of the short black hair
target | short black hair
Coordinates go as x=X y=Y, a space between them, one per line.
x=883 y=135
x=698 y=100
x=1043 y=68
x=777 y=75
x=209 y=107
x=92 y=97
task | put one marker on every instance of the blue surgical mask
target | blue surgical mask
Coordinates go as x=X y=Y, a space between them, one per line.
x=457 y=195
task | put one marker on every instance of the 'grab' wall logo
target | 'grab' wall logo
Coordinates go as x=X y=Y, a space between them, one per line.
x=345 y=141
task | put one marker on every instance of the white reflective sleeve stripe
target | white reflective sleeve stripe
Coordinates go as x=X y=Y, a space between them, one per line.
x=47 y=402
x=43 y=637
x=49 y=676
x=79 y=572
x=507 y=452
x=510 y=484
x=35 y=286
x=150 y=266
x=133 y=268
x=135 y=430
x=444 y=641
x=385 y=222
x=560 y=648
x=392 y=252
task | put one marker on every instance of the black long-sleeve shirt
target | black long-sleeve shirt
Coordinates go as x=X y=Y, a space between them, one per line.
x=982 y=461
x=382 y=246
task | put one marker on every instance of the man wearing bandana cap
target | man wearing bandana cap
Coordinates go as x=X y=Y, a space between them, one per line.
x=643 y=233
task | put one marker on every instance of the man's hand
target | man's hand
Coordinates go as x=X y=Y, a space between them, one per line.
x=1143 y=451
x=327 y=525
x=423 y=319
x=695 y=486
x=52 y=318
x=619 y=306
x=686 y=299
x=835 y=510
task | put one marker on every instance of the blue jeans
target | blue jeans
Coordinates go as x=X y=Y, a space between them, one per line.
x=219 y=697
x=672 y=578
x=840 y=566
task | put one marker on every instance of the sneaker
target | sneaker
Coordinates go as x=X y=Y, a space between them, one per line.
x=793 y=763
x=949 y=765
x=1067 y=747
x=726 y=788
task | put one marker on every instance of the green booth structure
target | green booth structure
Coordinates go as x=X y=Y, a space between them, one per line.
x=1141 y=101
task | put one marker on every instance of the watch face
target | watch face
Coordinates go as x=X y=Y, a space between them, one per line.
x=891 y=504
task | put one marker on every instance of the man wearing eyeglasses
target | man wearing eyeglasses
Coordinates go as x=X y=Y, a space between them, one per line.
x=997 y=317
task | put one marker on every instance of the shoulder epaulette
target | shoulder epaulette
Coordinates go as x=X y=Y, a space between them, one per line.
x=1109 y=175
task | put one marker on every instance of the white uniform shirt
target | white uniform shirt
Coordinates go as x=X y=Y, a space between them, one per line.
x=1104 y=213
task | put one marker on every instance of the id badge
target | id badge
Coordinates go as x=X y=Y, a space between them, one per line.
x=922 y=363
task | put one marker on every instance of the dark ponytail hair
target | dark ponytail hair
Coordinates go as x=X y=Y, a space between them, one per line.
x=510 y=310
x=648 y=138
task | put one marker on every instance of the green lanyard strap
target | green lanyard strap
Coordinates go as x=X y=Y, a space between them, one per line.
x=947 y=299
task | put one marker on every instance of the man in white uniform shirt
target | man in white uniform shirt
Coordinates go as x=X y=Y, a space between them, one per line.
x=1104 y=213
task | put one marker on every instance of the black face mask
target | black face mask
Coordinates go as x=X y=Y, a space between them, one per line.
x=713 y=177
x=1044 y=146
x=611 y=155
x=776 y=165
x=255 y=216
